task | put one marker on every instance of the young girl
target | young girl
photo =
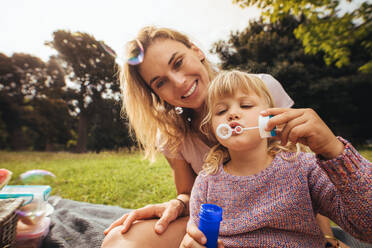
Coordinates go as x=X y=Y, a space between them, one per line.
x=269 y=191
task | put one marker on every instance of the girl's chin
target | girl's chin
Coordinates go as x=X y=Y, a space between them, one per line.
x=235 y=144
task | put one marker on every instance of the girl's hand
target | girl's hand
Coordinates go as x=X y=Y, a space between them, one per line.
x=306 y=127
x=194 y=238
x=167 y=212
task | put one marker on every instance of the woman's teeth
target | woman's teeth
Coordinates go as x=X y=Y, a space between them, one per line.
x=191 y=90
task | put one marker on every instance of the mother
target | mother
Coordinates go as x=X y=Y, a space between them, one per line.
x=174 y=73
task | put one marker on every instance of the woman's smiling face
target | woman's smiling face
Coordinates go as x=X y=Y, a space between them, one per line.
x=175 y=73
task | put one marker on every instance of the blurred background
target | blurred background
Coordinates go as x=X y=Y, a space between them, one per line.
x=59 y=89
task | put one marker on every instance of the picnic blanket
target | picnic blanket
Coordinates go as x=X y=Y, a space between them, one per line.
x=79 y=224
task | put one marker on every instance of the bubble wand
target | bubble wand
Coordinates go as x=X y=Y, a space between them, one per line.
x=224 y=131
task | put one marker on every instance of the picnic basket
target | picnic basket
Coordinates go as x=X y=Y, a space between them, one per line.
x=8 y=221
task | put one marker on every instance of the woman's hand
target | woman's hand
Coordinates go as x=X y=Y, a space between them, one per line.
x=167 y=212
x=194 y=238
x=306 y=127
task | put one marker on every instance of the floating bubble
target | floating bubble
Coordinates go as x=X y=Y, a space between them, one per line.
x=138 y=56
x=36 y=175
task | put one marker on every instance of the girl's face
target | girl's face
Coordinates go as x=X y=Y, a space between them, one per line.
x=240 y=109
x=176 y=73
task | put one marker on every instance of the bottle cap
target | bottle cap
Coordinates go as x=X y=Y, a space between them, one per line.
x=210 y=212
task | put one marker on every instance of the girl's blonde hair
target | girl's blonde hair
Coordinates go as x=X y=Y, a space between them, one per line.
x=149 y=116
x=225 y=84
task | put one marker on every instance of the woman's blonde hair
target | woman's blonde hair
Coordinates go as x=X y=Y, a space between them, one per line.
x=225 y=84
x=149 y=116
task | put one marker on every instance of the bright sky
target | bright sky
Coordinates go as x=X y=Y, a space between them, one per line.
x=26 y=24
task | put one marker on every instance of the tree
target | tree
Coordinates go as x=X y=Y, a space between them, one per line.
x=272 y=48
x=21 y=77
x=92 y=70
x=108 y=130
x=33 y=112
x=326 y=29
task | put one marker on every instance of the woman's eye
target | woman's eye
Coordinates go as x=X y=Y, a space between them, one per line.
x=159 y=84
x=178 y=63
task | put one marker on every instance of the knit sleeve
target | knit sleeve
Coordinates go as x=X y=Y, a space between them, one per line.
x=198 y=197
x=341 y=189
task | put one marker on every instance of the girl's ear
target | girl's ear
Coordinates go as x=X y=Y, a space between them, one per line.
x=199 y=52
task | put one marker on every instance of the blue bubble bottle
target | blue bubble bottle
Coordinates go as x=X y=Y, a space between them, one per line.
x=210 y=217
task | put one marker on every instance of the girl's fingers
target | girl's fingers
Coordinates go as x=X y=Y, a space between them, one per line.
x=281 y=116
x=274 y=111
x=116 y=223
x=189 y=242
x=291 y=130
x=220 y=244
x=196 y=234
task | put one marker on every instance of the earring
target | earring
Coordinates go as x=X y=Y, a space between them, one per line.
x=179 y=110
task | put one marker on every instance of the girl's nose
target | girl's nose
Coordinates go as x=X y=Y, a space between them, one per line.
x=233 y=116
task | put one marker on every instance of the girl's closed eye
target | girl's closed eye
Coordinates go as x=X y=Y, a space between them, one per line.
x=245 y=106
x=220 y=111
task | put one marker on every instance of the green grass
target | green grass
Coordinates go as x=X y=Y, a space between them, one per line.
x=122 y=179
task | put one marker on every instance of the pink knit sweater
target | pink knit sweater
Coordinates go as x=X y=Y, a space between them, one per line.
x=277 y=207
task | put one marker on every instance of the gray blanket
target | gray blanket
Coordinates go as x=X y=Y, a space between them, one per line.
x=79 y=224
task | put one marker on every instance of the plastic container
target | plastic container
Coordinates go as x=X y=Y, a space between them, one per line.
x=210 y=217
x=32 y=236
x=35 y=199
x=262 y=123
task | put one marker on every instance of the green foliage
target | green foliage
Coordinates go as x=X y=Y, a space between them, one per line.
x=40 y=111
x=24 y=80
x=108 y=130
x=326 y=29
x=93 y=70
x=340 y=96
x=123 y=179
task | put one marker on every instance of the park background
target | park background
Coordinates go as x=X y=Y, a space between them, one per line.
x=60 y=96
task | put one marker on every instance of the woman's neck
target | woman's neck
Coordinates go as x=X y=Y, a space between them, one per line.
x=245 y=163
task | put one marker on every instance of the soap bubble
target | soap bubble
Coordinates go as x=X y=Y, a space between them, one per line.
x=138 y=55
x=224 y=131
x=36 y=176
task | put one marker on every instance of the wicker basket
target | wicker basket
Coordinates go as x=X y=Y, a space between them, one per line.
x=8 y=221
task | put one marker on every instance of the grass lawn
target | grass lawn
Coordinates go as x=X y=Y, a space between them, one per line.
x=122 y=179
